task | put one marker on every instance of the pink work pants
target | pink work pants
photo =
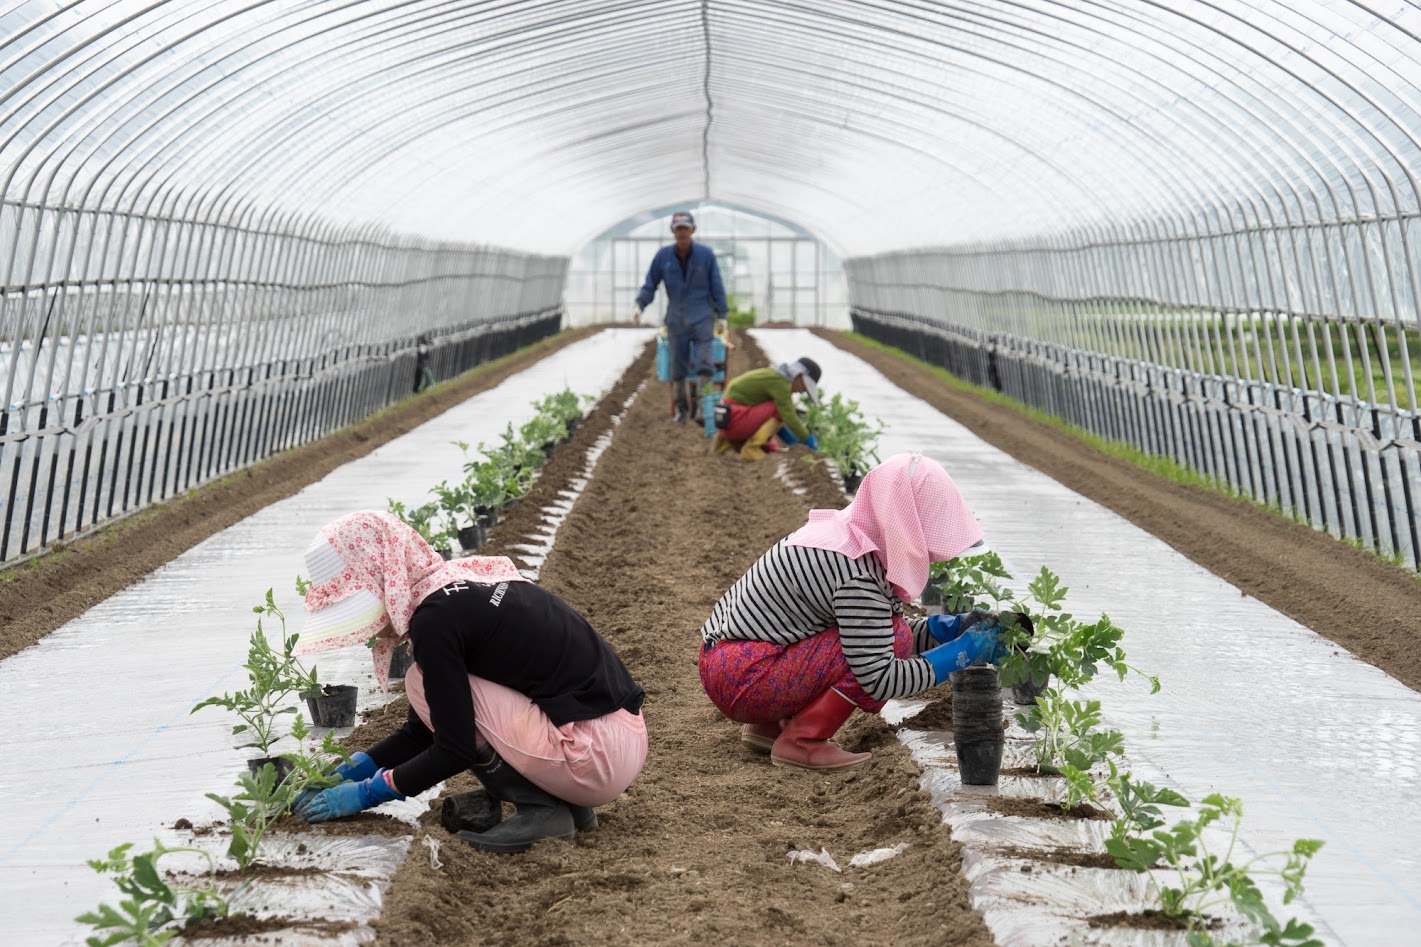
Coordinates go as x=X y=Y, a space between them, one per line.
x=586 y=762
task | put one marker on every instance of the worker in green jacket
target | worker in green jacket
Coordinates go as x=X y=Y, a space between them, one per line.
x=759 y=403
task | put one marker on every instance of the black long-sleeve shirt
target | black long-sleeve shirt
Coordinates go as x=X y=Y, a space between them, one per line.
x=515 y=634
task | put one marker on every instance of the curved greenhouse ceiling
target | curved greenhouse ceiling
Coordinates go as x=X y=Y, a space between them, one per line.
x=877 y=125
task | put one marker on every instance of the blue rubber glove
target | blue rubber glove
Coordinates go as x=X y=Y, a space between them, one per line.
x=360 y=767
x=811 y=442
x=975 y=645
x=945 y=628
x=787 y=436
x=348 y=799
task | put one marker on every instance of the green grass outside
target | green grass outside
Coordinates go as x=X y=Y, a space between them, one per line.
x=1253 y=347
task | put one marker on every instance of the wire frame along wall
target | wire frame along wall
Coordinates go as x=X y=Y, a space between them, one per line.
x=1279 y=363
x=144 y=355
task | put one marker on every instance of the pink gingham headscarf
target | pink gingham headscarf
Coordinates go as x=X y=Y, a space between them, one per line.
x=908 y=511
x=373 y=571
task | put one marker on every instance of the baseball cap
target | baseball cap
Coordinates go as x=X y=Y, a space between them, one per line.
x=810 y=374
x=682 y=218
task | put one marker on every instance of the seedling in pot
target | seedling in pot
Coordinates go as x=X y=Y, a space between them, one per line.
x=1206 y=882
x=150 y=903
x=266 y=796
x=542 y=431
x=274 y=677
x=845 y=437
x=426 y=521
x=487 y=481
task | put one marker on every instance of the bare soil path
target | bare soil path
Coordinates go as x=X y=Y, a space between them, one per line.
x=696 y=851
x=1346 y=595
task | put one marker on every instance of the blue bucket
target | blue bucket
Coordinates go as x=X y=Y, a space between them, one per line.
x=709 y=400
x=663 y=358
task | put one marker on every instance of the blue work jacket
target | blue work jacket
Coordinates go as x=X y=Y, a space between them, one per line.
x=697 y=297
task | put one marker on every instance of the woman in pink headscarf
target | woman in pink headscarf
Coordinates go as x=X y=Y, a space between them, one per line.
x=815 y=628
x=508 y=681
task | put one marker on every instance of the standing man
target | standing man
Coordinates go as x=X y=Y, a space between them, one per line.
x=695 y=302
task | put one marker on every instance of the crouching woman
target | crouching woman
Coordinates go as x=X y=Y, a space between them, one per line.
x=508 y=681
x=816 y=629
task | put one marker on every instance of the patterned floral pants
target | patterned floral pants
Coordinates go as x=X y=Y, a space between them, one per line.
x=763 y=682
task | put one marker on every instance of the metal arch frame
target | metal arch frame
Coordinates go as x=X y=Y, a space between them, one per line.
x=942 y=107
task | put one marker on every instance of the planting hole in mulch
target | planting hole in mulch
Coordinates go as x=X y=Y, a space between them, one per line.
x=1146 y=921
x=250 y=926
x=1064 y=856
x=364 y=823
x=1038 y=809
x=1028 y=772
x=935 y=716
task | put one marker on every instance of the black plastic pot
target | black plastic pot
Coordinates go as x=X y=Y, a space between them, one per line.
x=932 y=597
x=852 y=479
x=400 y=661
x=471 y=538
x=475 y=811
x=1025 y=693
x=977 y=731
x=335 y=707
x=548 y=449
x=445 y=554
x=487 y=516
x=282 y=764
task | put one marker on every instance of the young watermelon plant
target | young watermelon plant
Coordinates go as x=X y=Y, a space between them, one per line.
x=1204 y=881
x=273 y=676
x=846 y=438
x=152 y=909
x=425 y=520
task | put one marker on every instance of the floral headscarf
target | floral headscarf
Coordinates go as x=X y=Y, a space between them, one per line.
x=369 y=572
x=908 y=511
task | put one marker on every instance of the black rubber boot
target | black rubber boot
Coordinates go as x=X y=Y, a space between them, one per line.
x=475 y=811
x=539 y=814
x=681 y=404
x=584 y=818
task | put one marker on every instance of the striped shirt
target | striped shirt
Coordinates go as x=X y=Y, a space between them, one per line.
x=794 y=592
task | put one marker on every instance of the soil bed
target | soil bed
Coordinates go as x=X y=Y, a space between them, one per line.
x=39 y=596
x=696 y=851
x=1271 y=558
